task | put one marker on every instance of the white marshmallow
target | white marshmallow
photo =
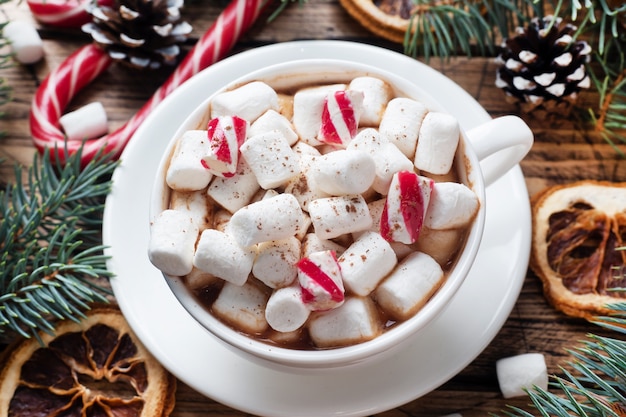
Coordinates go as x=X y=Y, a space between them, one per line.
x=376 y=94
x=303 y=185
x=320 y=278
x=194 y=204
x=237 y=191
x=366 y=262
x=186 y=171
x=173 y=235
x=272 y=120
x=285 y=310
x=87 y=122
x=343 y=172
x=451 y=205
x=401 y=124
x=225 y=134
x=437 y=143
x=335 y=216
x=26 y=45
x=312 y=243
x=388 y=159
x=271 y=159
x=356 y=321
x=243 y=307
x=218 y=254
x=197 y=279
x=306 y=224
x=405 y=291
x=440 y=244
x=248 y=101
x=405 y=208
x=522 y=372
x=275 y=264
x=340 y=117
x=308 y=104
x=275 y=218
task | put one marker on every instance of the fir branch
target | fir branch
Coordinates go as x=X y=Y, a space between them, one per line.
x=283 y=4
x=51 y=255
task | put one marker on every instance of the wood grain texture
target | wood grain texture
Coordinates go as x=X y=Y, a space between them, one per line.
x=565 y=150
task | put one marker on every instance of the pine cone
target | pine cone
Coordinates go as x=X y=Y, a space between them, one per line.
x=140 y=33
x=543 y=68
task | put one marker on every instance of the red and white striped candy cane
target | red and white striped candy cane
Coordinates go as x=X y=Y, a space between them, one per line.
x=82 y=67
x=63 y=13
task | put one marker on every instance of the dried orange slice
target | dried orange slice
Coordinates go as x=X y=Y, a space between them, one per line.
x=578 y=230
x=96 y=367
x=388 y=19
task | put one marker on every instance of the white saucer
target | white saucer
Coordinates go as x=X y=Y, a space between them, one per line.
x=444 y=348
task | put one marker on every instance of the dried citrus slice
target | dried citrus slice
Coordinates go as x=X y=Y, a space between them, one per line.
x=386 y=18
x=578 y=230
x=96 y=367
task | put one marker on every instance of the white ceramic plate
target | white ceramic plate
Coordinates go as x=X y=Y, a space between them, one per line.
x=443 y=348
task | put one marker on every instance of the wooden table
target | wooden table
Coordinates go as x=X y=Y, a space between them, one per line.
x=564 y=152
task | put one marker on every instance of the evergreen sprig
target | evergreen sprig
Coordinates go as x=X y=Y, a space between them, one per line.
x=51 y=255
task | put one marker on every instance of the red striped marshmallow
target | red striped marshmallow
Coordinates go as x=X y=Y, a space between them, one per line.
x=340 y=117
x=319 y=275
x=226 y=134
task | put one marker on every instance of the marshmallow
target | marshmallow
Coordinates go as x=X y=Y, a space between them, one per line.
x=320 y=278
x=26 y=45
x=173 y=235
x=237 y=191
x=271 y=159
x=303 y=185
x=275 y=218
x=522 y=372
x=335 y=216
x=198 y=279
x=437 y=143
x=275 y=264
x=186 y=171
x=388 y=159
x=308 y=104
x=340 y=117
x=376 y=94
x=218 y=254
x=366 y=262
x=401 y=124
x=272 y=120
x=225 y=134
x=405 y=291
x=243 y=307
x=87 y=122
x=194 y=204
x=312 y=243
x=440 y=244
x=248 y=101
x=405 y=207
x=285 y=310
x=343 y=172
x=356 y=321
x=451 y=205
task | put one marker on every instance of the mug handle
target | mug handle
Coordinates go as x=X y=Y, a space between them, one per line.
x=500 y=144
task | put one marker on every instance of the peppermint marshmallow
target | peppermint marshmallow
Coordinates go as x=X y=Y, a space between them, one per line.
x=401 y=123
x=248 y=101
x=405 y=291
x=275 y=264
x=237 y=191
x=186 y=171
x=87 y=122
x=366 y=262
x=340 y=117
x=271 y=159
x=437 y=143
x=343 y=172
x=286 y=311
x=308 y=105
x=319 y=275
x=242 y=306
x=335 y=216
x=356 y=321
x=218 y=254
x=226 y=134
x=405 y=208
x=376 y=94
x=274 y=218
x=451 y=205
x=173 y=235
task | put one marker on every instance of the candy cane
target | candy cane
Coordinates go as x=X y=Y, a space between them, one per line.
x=88 y=62
x=63 y=13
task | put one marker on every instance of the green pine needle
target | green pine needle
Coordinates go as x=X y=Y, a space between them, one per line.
x=51 y=255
